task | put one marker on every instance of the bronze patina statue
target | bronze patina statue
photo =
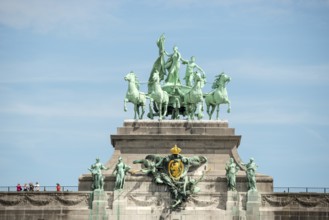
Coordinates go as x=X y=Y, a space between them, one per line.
x=134 y=96
x=98 y=178
x=251 y=168
x=120 y=172
x=231 y=170
x=168 y=96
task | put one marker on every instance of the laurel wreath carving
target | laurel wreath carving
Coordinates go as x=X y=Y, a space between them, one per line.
x=305 y=201
x=15 y=200
x=43 y=200
x=142 y=202
x=38 y=201
x=73 y=201
x=203 y=203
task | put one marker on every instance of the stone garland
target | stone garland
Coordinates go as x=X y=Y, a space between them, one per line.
x=37 y=201
x=203 y=203
x=159 y=201
x=143 y=202
x=11 y=202
x=75 y=201
x=275 y=201
x=43 y=200
x=303 y=200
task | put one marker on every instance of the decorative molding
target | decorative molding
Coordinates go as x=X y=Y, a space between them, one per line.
x=73 y=200
x=204 y=203
x=41 y=199
x=143 y=200
x=282 y=200
x=11 y=201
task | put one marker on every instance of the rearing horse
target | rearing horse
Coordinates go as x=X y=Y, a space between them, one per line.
x=218 y=96
x=158 y=97
x=134 y=96
x=194 y=98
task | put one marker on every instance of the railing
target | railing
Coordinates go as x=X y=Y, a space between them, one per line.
x=301 y=189
x=275 y=189
x=42 y=188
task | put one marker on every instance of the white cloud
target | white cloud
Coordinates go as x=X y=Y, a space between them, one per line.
x=43 y=70
x=275 y=111
x=45 y=16
x=85 y=110
x=267 y=71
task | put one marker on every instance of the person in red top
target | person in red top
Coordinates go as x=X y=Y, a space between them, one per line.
x=19 y=187
x=58 y=187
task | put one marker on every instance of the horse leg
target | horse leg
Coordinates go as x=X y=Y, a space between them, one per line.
x=229 y=106
x=217 y=115
x=187 y=106
x=193 y=108
x=165 y=104
x=125 y=104
x=164 y=110
x=187 y=110
x=150 y=114
x=160 y=110
x=200 y=111
x=213 y=107
x=210 y=107
x=208 y=110
x=143 y=111
x=191 y=111
x=136 y=111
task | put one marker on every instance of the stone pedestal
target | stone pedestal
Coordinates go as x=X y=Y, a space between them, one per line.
x=213 y=139
x=143 y=199
x=253 y=205
x=119 y=205
x=232 y=204
x=99 y=205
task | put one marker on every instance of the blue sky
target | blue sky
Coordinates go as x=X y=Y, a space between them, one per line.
x=62 y=65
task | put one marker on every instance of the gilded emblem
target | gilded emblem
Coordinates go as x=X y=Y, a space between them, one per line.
x=175 y=169
x=172 y=170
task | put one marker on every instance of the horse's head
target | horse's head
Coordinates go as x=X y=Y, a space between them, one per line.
x=199 y=80
x=130 y=76
x=156 y=77
x=221 y=80
x=224 y=78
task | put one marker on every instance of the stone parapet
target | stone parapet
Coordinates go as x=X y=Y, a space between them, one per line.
x=176 y=127
x=137 y=203
x=44 y=205
x=308 y=206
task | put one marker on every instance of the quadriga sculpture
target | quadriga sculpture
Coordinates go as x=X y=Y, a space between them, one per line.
x=168 y=96
x=218 y=96
x=134 y=96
